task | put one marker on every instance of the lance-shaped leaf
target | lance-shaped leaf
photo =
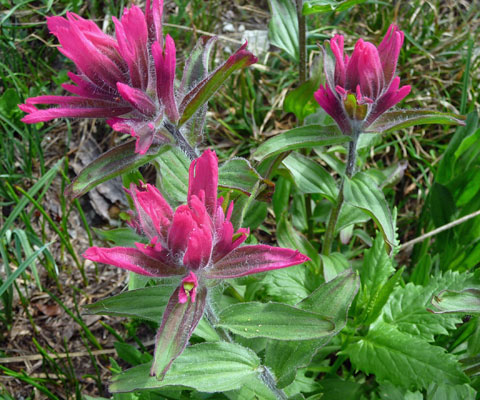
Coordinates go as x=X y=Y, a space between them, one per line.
x=300 y=138
x=147 y=303
x=201 y=93
x=400 y=119
x=114 y=162
x=173 y=165
x=332 y=299
x=283 y=27
x=206 y=367
x=362 y=192
x=274 y=321
x=323 y=6
x=238 y=174
x=449 y=301
x=178 y=323
x=196 y=70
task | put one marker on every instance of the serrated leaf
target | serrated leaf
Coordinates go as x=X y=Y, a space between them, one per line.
x=111 y=164
x=299 y=138
x=238 y=174
x=283 y=26
x=400 y=119
x=407 y=307
x=274 y=321
x=206 y=367
x=448 y=301
x=174 y=166
x=362 y=192
x=146 y=303
x=403 y=359
x=323 y=6
x=310 y=177
x=205 y=89
x=333 y=299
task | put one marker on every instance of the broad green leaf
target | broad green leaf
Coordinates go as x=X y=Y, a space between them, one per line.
x=146 y=303
x=403 y=359
x=394 y=392
x=333 y=265
x=131 y=354
x=300 y=101
x=238 y=174
x=448 y=301
x=173 y=175
x=274 y=321
x=407 y=307
x=252 y=388
x=205 y=89
x=450 y=392
x=283 y=27
x=399 y=119
x=333 y=299
x=311 y=177
x=125 y=237
x=323 y=6
x=113 y=163
x=299 y=138
x=336 y=389
x=350 y=215
x=206 y=367
x=362 y=192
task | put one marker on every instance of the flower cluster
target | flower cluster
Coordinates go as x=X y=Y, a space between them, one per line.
x=197 y=242
x=360 y=88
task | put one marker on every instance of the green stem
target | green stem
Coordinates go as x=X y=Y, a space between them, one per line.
x=349 y=170
x=302 y=43
x=181 y=141
x=266 y=376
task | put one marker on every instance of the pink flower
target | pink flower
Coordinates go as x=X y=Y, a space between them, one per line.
x=197 y=242
x=360 y=88
x=127 y=78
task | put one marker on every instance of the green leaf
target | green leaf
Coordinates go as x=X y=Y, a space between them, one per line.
x=299 y=138
x=113 y=163
x=146 y=303
x=333 y=299
x=206 y=367
x=283 y=27
x=323 y=6
x=407 y=307
x=450 y=392
x=333 y=265
x=403 y=359
x=238 y=174
x=300 y=101
x=336 y=389
x=274 y=321
x=252 y=388
x=399 y=119
x=311 y=177
x=174 y=166
x=362 y=192
x=206 y=88
x=448 y=301
x=124 y=237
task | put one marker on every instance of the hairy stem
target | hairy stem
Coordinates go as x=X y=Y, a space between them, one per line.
x=181 y=141
x=266 y=376
x=302 y=43
x=349 y=170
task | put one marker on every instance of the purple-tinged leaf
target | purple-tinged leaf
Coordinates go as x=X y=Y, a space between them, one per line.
x=201 y=93
x=449 y=301
x=248 y=260
x=178 y=323
x=114 y=162
x=400 y=119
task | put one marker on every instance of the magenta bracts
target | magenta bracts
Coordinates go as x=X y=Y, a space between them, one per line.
x=360 y=88
x=196 y=241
